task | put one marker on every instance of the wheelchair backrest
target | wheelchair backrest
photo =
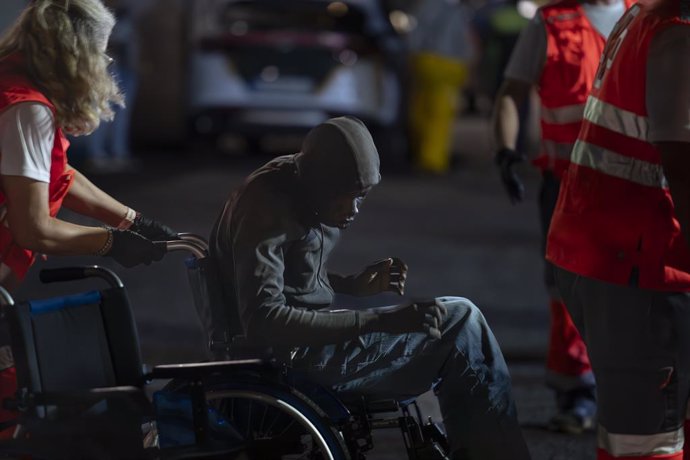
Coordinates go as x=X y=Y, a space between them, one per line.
x=76 y=342
x=219 y=317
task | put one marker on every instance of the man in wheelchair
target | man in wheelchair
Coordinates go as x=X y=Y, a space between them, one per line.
x=271 y=244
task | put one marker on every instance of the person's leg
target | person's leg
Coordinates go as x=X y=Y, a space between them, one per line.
x=96 y=148
x=417 y=109
x=442 y=78
x=466 y=368
x=8 y=380
x=639 y=345
x=120 y=141
x=569 y=371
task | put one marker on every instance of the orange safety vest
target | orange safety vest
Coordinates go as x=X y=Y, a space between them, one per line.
x=615 y=213
x=573 y=50
x=14 y=89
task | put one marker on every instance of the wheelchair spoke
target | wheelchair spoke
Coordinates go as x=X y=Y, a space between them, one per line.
x=263 y=418
x=249 y=420
x=286 y=429
x=272 y=427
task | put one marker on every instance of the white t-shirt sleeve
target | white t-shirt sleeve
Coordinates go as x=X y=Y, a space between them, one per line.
x=668 y=85
x=27 y=133
x=529 y=54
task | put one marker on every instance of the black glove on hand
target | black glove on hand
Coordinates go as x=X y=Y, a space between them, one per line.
x=130 y=249
x=153 y=230
x=506 y=159
x=416 y=317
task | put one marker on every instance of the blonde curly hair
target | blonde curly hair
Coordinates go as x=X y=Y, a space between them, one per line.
x=63 y=43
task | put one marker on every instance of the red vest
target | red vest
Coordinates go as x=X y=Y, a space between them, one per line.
x=573 y=50
x=15 y=88
x=615 y=212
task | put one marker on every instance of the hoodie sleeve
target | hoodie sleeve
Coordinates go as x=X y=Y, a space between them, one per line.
x=258 y=244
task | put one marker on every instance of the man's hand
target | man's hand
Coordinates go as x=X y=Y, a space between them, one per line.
x=384 y=275
x=506 y=160
x=423 y=316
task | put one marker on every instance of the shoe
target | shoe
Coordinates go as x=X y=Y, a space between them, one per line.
x=571 y=423
x=577 y=414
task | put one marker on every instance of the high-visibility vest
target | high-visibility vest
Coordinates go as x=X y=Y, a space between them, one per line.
x=573 y=50
x=615 y=214
x=14 y=89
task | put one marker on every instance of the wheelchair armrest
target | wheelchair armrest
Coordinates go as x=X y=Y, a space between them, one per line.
x=199 y=370
x=89 y=397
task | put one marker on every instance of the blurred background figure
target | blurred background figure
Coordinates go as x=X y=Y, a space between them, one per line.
x=108 y=149
x=440 y=50
x=496 y=25
x=558 y=53
x=9 y=11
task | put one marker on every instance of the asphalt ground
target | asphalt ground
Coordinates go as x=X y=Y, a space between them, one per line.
x=458 y=233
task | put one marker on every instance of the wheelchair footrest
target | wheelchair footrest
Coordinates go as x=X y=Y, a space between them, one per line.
x=382 y=405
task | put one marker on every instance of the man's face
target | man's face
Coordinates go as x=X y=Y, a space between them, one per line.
x=340 y=210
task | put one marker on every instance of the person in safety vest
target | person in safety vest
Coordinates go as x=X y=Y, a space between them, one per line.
x=272 y=243
x=558 y=53
x=620 y=233
x=54 y=79
x=440 y=50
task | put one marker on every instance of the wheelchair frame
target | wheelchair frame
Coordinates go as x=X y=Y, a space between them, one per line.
x=340 y=431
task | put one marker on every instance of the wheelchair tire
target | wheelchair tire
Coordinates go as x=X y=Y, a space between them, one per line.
x=274 y=422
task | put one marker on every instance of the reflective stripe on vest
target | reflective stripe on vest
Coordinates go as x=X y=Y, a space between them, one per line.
x=616 y=119
x=638 y=445
x=560 y=150
x=563 y=115
x=617 y=165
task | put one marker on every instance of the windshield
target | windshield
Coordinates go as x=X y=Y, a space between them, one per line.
x=307 y=16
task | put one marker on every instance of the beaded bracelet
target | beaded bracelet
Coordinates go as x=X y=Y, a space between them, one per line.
x=108 y=244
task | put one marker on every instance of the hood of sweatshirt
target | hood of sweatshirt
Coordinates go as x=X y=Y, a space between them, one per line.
x=338 y=155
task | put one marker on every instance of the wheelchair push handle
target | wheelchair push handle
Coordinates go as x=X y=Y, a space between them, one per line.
x=56 y=275
x=5 y=297
x=189 y=242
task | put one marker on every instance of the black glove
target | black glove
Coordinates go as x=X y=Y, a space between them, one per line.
x=130 y=249
x=506 y=159
x=152 y=229
x=415 y=317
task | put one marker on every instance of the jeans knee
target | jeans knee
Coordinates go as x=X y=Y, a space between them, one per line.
x=462 y=310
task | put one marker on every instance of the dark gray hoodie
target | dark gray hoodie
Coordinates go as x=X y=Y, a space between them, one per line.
x=272 y=250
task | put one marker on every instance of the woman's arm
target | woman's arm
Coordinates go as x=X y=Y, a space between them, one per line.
x=32 y=227
x=88 y=200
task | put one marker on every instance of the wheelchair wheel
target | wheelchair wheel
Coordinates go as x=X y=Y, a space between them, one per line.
x=276 y=422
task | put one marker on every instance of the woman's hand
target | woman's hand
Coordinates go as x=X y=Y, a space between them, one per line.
x=381 y=276
x=130 y=249
x=152 y=229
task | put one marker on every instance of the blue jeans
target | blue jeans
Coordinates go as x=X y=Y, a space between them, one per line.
x=112 y=139
x=465 y=368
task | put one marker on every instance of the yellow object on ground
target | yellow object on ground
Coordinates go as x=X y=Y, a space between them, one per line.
x=436 y=82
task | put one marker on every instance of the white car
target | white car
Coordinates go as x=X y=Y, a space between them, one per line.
x=277 y=66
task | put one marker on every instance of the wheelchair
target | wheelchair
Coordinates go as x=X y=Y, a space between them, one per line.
x=83 y=391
